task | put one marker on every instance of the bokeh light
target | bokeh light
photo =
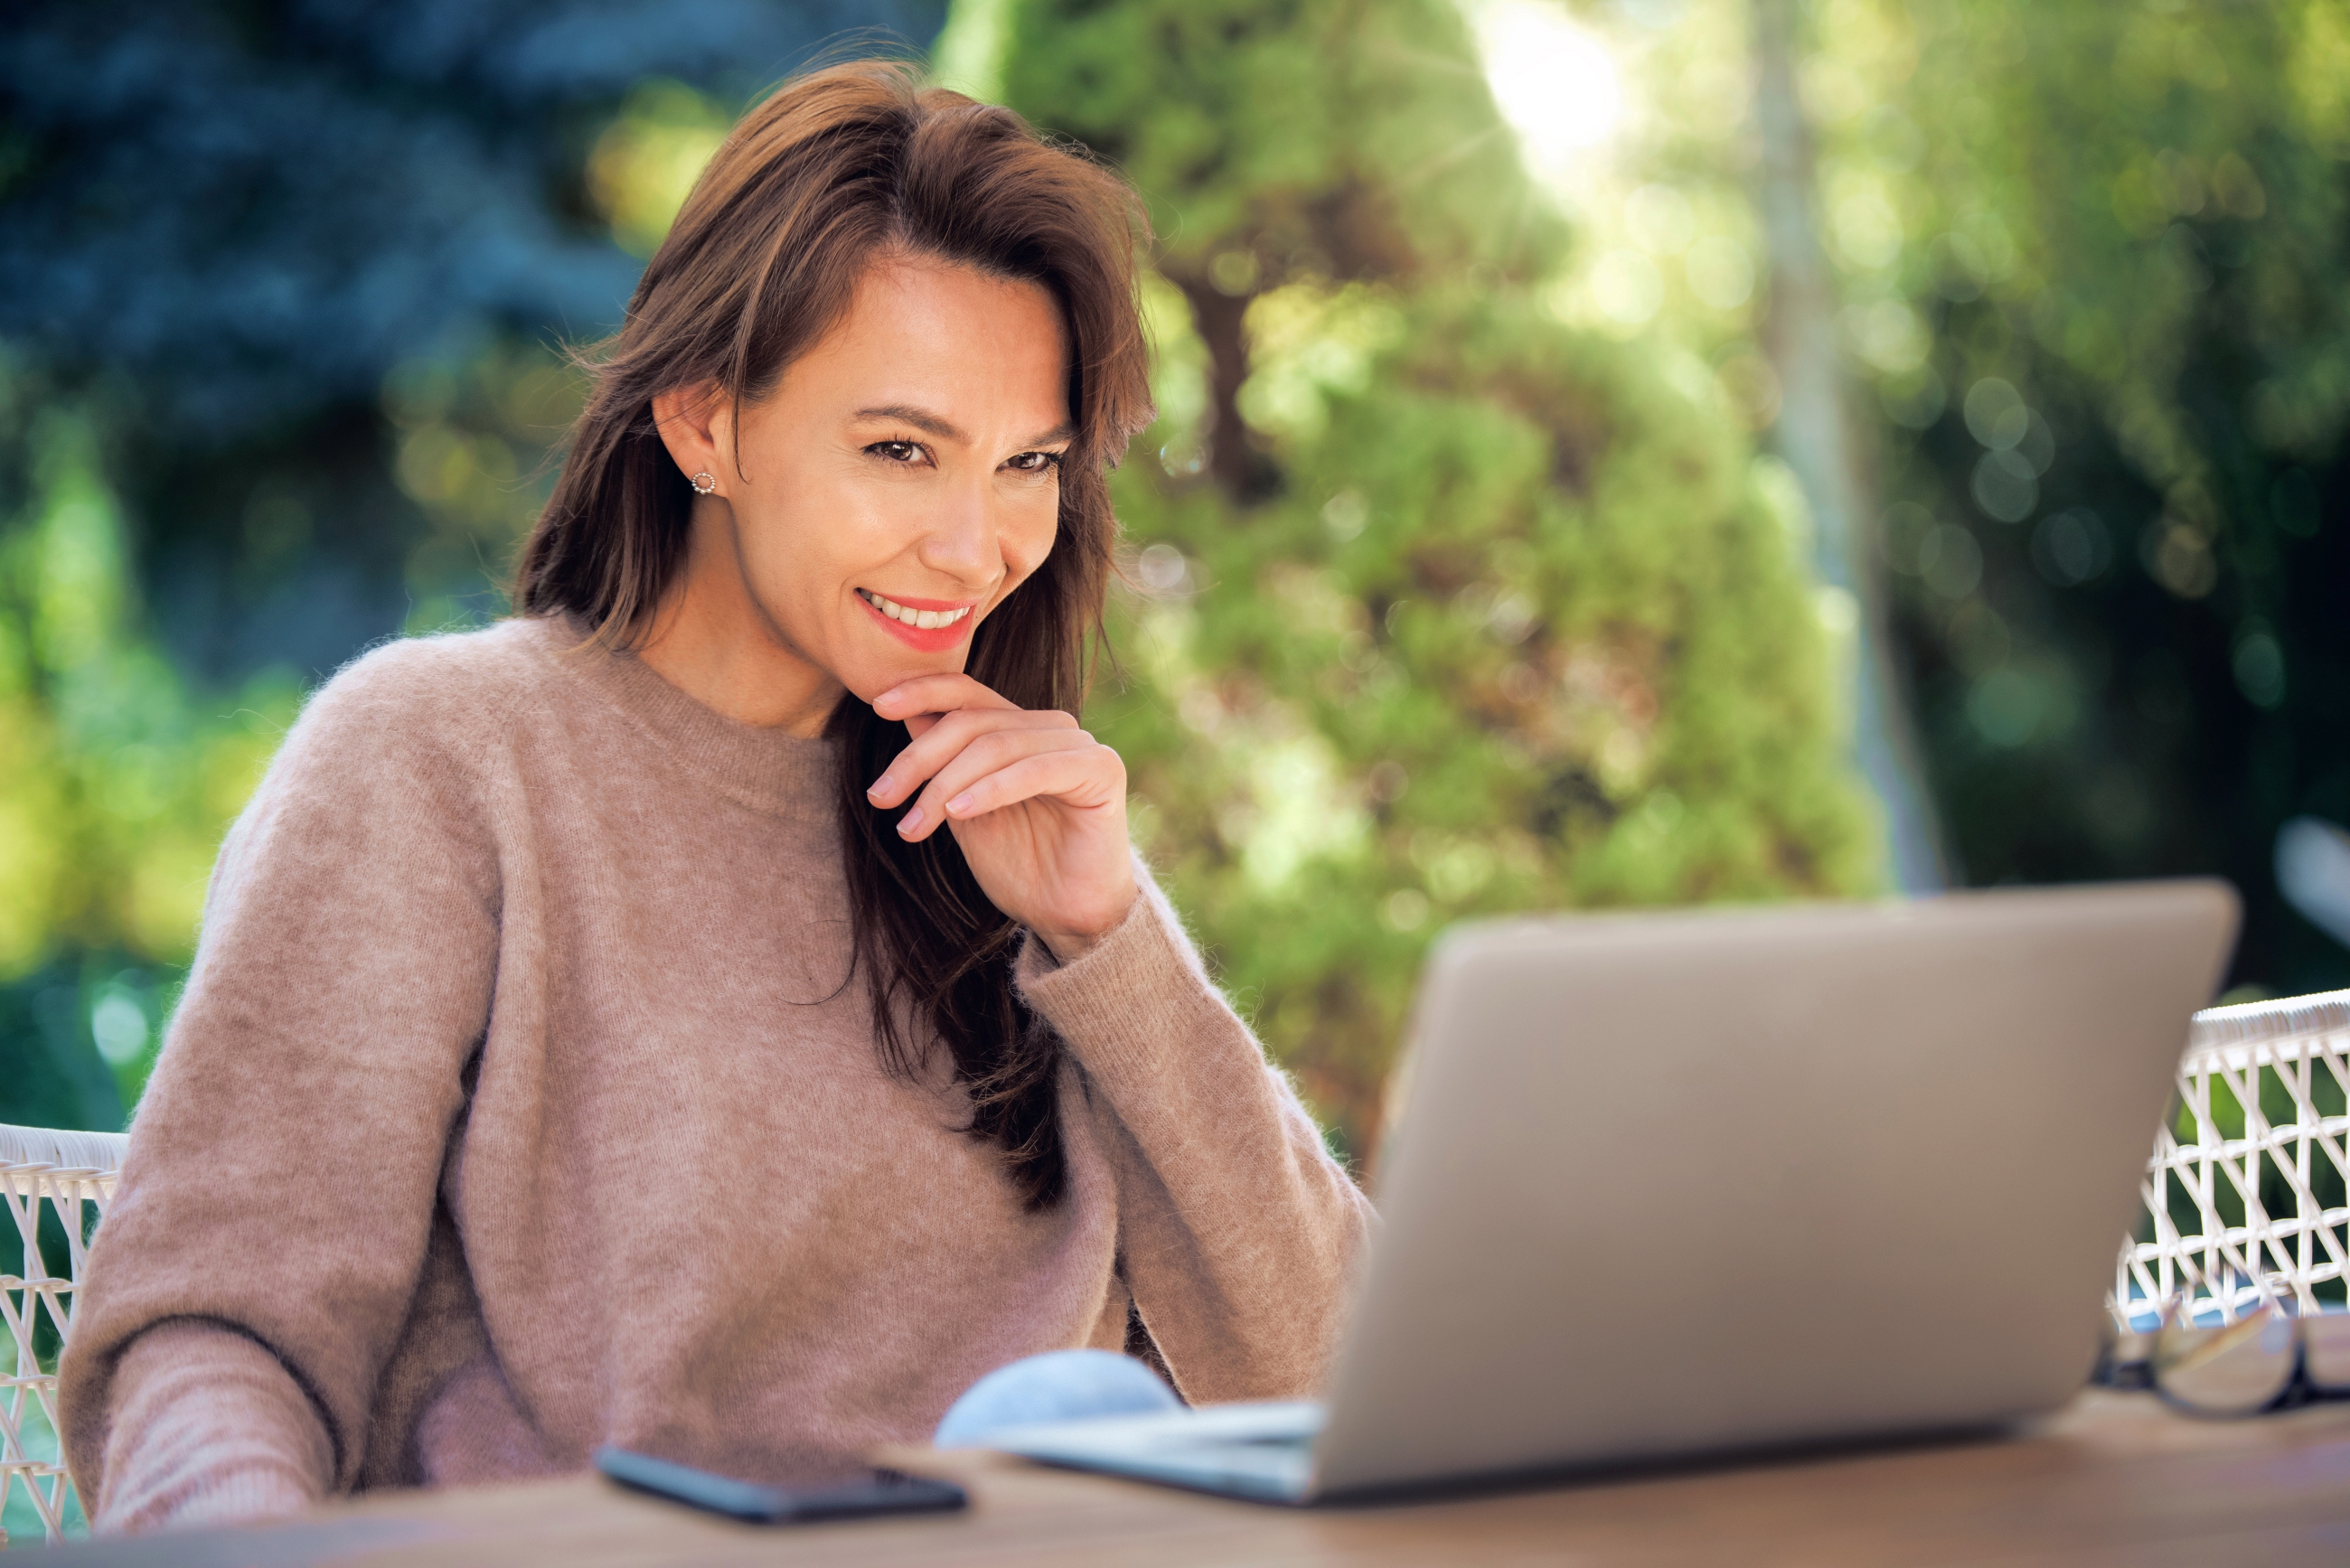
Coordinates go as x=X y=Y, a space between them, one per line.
x=1555 y=81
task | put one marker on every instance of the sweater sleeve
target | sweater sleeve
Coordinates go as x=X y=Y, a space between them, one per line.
x=208 y=1429
x=1238 y=1231
x=263 y=1244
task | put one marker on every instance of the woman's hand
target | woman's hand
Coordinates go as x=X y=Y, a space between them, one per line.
x=1037 y=804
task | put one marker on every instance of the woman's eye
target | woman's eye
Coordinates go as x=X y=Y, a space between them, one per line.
x=1034 y=462
x=896 y=451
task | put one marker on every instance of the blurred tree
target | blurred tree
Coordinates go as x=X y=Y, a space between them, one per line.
x=282 y=291
x=1444 y=606
x=2092 y=262
x=231 y=222
x=117 y=785
x=1337 y=141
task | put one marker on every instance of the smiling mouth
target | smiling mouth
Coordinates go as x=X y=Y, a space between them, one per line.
x=920 y=619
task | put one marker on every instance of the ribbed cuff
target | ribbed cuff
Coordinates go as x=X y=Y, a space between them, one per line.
x=253 y=1495
x=206 y=1427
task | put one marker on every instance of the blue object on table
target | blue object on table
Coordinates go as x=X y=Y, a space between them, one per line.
x=1058 y=1385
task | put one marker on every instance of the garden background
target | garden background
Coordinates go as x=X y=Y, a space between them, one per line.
x=1632 y=452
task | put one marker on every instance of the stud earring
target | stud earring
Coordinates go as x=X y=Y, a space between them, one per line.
x=703 y=484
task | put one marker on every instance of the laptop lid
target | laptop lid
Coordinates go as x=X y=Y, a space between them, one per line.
x=1670 y=1184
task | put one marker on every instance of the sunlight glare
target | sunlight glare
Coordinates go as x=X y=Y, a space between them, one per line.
x=1555 y=81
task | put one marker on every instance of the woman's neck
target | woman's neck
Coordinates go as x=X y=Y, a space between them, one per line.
x=712 y=641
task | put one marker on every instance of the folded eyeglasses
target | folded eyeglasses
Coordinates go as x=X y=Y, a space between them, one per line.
x=2276 y=1353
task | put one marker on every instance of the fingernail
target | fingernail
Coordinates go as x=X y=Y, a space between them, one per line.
x=961 y=803
x=881 y=785
x=912 y=820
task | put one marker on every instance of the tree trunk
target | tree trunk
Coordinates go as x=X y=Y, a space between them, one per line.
x=1815 y=436
x=1241 y=472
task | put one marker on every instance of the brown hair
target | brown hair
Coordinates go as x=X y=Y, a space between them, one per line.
x=834 y=168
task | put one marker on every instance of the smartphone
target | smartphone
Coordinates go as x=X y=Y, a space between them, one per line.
x=875 y=1492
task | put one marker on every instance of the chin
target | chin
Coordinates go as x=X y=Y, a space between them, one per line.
x=869 y=683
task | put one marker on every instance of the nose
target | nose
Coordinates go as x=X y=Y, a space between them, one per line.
x=963 y=540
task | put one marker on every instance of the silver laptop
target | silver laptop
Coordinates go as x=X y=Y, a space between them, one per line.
x=1671 y=1186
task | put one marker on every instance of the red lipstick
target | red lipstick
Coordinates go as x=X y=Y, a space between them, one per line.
x=926 y=640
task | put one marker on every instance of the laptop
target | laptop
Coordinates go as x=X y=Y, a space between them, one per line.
x=1682 y=1185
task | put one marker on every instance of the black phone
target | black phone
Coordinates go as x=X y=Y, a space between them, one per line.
x=875 y=1491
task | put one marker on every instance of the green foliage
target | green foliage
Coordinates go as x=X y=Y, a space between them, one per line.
x=2093 y=256
x=646 y=161
x=2087 y=220
x=1500 y=613
x=1351 y=138
x=472 y=450
x=1434 y=680
x=119 y=784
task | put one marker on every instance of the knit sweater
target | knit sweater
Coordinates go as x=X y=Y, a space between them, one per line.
x=522 y=1100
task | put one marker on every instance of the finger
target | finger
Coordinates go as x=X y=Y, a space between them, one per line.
x=945 y=796
x=937 y=694
x=939 y=739
x=1085 y=778
x=936 y=743
x=981 y=757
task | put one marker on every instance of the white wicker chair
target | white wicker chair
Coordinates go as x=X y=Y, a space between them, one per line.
x=2208 y=1237
x=64 y=1171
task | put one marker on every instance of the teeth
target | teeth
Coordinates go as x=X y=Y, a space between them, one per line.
x=927 y=620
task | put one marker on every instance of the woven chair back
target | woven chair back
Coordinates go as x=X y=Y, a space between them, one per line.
x=71 y=1176
x=2245 y=1198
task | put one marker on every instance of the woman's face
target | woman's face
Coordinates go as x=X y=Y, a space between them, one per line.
x=903 y=476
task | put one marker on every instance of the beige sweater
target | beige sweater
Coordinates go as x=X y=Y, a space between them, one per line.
x=517 y=1103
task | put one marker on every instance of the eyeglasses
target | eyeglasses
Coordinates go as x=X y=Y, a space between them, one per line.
x=2271 y=1356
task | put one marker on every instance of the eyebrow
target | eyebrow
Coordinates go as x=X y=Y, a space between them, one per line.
x=930 y=423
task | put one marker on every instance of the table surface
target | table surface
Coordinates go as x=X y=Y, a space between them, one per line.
x=2113 y=1478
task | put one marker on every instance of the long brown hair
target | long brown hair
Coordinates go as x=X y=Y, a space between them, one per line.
x=834 y=168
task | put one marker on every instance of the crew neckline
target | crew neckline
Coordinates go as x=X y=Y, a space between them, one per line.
x=772 y=771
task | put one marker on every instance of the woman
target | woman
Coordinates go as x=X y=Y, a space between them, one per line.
x=717 y=1011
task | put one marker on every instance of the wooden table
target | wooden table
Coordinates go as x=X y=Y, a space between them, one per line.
x=2114 y=1479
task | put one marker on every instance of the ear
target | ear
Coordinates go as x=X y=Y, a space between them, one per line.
x=695 y=423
